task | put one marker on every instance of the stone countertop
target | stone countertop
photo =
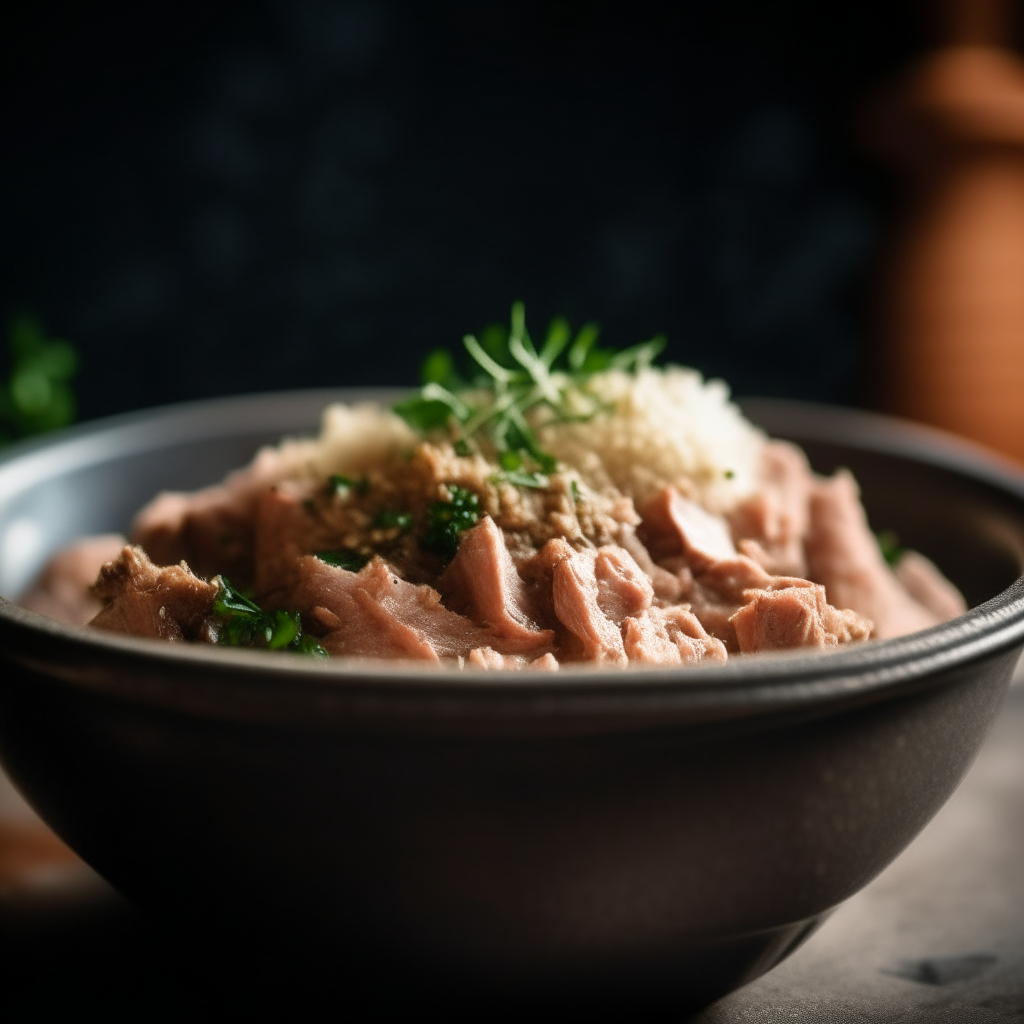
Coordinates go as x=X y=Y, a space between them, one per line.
x=938 y=936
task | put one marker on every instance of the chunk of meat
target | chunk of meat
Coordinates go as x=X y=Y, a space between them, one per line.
x=63 y=589
x=211 y=529
x=566 y=595
x=483 y=583
x=377 y=615
x=665 y=583
x=592 y=593
x=770 y=525
x=843 y=555
x=623 y=588
x=794 y=615
x=143 y=599
x=574 y=593
x=717 y=593
x=283 y=532
x=923 y=581
x=672 y=524
x=735 y=601
x=486 y=657
x=669 y=636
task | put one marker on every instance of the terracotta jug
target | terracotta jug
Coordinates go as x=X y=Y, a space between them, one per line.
x=953 y=352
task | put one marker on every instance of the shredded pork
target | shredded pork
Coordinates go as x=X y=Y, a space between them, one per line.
x=541 y=575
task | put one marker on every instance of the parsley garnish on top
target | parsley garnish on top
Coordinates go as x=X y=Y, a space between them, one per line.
x=508 y=377
x=889 y=544
x=245 y=624
x=344 y=558
x=447 y=519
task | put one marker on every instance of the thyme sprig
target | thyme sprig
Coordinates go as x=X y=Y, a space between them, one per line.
x=509 y=378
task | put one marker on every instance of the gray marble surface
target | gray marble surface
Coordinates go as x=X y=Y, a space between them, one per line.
x=938 y=936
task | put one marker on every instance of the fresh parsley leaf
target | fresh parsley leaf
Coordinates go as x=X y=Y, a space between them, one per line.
x=447 y=519
x=439 y=368
x=286 y=627
x=494 y=338
x=519 y=477
x=388 y=518
x=463 y=448
x=889 y=544
x=343 y=485
x=423 y=413
x=230 y=601
x=344 y=558
x=309 y=645
x=509 y=377
x=245 y=624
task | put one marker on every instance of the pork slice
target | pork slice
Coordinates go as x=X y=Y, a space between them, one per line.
x=211 y=529
x=143 y=599
x=489 y=658
x=566 y=595
x=575 y=592
x=770 y=525
x=665 y=583
x=736 y=601
x=672 y=524
x=63 y=589
x=380 y=615
x=669 y=636
x=843 y=555
x=796 y=614
x=283 y=531
x=486 y=657
x=483 y=583
x=717 y=593
x=545 y=663
x=623 y=588
x=924 y=582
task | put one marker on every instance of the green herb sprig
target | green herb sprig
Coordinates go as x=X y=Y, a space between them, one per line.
x=447 y=519
x=510 y=377
x=889 y=545
x=37 y=395
x=390 y=519
x=245 y=624
x=342 y=486
x=344 y=558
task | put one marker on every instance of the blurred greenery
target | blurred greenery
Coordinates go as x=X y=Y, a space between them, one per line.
x=36 y=395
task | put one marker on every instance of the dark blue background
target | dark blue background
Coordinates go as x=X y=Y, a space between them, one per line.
x=224 y=198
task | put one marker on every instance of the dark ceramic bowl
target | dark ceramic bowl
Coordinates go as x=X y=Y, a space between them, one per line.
x=669 y=831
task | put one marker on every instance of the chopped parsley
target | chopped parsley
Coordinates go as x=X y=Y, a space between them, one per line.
x=447 y=519
x=245 y=624
x=388 y=519
x=344 y=485
x=509 y=377
x=344 y=558
x=889 y=544
x=522 y=478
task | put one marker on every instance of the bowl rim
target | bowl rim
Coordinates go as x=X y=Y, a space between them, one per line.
x=250 y=681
